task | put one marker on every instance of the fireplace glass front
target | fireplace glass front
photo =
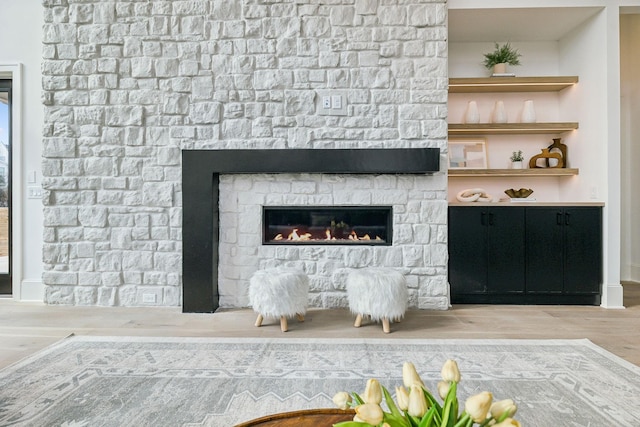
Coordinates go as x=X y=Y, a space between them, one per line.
x=327 y=225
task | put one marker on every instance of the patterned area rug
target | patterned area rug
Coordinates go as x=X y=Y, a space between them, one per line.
x=131 y=381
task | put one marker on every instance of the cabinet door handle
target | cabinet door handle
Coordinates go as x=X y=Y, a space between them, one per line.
x=567 y=218
x=559 y=218
x=490 y=219
x=483 y=218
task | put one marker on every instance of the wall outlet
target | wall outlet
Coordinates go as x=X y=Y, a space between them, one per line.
x=34 y=192
x=148 y=298
x=593 y=192
x=326 y=102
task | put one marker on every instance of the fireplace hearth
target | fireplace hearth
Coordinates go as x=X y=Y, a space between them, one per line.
x=200 y=195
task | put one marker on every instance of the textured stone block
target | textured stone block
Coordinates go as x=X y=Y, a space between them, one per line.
x=129 y=115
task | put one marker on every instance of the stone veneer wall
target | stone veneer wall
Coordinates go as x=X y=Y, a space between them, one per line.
x=419 y=247
x=128 y=84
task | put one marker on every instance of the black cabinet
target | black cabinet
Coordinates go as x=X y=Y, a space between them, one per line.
x=486 y=252
x=564 y=252
x=525 y=255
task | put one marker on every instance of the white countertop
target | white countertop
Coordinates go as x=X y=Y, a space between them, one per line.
x=501 y=204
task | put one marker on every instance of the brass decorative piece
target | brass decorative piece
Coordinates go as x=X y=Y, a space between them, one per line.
x=518 y=194
x=546 y=155
x=558 y=146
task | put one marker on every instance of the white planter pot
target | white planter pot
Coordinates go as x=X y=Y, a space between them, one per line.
x=500 y=68
x=516 y=165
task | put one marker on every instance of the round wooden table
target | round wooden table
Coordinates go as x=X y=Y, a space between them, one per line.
x=305 y=418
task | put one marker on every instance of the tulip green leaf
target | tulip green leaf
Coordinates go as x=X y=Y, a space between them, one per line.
x=464 y=421
x=390 y=403
x=450 y=412
x=357 y=399
x=396 y=420
x=427 y=420
x=415 y=421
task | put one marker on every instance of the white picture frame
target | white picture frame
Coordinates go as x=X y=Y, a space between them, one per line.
x=468 y=153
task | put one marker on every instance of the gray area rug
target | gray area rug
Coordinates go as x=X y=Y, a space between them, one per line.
x=132 y=381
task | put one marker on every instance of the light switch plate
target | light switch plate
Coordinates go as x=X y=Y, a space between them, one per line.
x=331 y=102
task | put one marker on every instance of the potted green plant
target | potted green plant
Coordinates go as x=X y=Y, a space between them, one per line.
x=516 y=159
x=500 y=57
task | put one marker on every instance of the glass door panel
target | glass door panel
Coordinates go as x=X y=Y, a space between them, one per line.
x=5 y=186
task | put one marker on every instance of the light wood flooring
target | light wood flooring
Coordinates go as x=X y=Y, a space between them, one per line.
x=28 y=327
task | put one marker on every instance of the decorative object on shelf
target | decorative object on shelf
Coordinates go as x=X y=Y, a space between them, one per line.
x=558 y=147
x=474 y=195
x=516 y=159
x=415 y=405
x=472 y=115
x=468 y=153
x=534 y=162
x=528 y=112
x=499 y=59
x=499 y=113
x=518 y=194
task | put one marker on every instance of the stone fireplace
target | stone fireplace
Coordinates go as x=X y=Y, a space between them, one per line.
x=128 y=86
x=225 y=193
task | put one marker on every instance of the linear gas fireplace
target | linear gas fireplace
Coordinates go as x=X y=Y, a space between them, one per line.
x=327 y=225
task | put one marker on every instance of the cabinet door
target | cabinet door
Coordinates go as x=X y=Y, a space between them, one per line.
x=544 y=248
x=583 y=250
x=467 y=251
x=506 y=250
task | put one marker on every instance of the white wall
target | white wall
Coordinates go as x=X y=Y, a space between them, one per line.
x=21 y=35
x=630 y=138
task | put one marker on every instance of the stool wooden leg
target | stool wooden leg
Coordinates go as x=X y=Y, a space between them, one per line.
x=259 y=320
x=358 y=321
x=283 y=324
x=300 y=317
x=385 y=325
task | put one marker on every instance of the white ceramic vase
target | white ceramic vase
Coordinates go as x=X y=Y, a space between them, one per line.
x=499 y=113
x=516 y=165
x=528 y=112
x=472 y=115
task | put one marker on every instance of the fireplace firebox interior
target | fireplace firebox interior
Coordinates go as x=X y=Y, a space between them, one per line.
x=328 y=225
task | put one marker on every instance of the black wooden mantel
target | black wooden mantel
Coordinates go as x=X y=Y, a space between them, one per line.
x=200 y=179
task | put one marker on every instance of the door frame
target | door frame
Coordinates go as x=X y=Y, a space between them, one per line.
x=13 y=72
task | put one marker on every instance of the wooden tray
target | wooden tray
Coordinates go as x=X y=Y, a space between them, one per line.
x=305 y=418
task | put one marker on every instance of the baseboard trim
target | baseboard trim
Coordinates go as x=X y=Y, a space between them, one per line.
x=634 y=273
x=30 y=290
x=612 y=296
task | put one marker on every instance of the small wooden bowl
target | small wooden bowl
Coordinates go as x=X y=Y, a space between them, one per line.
x=305 y=418
x=518 y=194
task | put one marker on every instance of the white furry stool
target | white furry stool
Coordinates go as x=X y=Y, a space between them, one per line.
x=279 y=292
x=380 y=293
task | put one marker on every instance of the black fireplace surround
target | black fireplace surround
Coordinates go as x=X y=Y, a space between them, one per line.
x=201 y=170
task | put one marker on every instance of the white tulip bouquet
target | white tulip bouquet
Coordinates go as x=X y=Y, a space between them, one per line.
x=415 y=406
